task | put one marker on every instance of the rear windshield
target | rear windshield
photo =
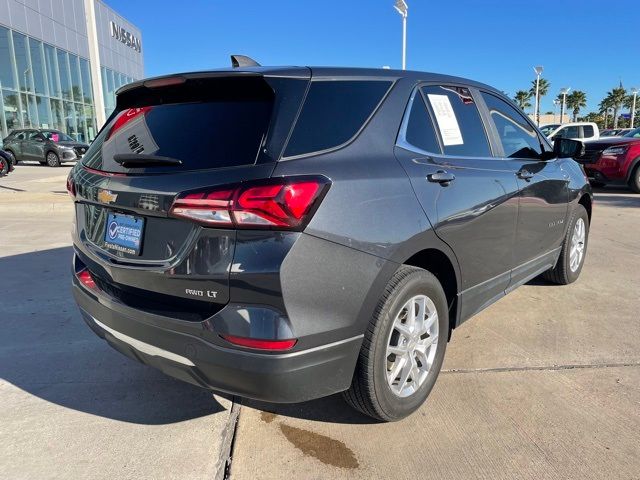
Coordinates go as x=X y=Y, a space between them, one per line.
x=201 y=134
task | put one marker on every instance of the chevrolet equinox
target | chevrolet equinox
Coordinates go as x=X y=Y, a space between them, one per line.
x=287 y=233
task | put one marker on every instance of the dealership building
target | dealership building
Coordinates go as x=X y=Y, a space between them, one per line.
x=61 y=62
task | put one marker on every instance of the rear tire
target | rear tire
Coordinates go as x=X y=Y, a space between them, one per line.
x=417 y=347
x=4 y=167
x=52 y=159
x=634 y=180
x=569 y=266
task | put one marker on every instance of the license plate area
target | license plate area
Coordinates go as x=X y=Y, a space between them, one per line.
x=123 y=233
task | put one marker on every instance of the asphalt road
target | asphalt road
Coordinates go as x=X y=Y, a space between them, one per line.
x=543 y=384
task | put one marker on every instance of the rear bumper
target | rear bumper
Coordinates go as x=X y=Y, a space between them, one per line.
x=280 y=378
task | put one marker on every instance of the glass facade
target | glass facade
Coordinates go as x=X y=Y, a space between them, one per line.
x=111 y=82
x=42 y=86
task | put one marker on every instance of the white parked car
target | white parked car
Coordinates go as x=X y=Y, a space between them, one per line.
x=582 y=131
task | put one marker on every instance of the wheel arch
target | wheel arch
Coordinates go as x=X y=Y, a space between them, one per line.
x=587 y=203
x=442 y=267
x=635 y=163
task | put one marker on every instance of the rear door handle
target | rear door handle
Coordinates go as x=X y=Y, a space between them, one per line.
x=525 y=174
x=442 y=177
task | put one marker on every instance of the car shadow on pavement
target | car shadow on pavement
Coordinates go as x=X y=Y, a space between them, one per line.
x=47 y=350
x=331 y=409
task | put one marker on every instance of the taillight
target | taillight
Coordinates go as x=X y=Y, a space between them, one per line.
x=86 y=279
x=260 y=344
x=71 y=186
x=286 y=203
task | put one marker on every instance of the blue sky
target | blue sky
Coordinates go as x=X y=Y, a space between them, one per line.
x=588 y=45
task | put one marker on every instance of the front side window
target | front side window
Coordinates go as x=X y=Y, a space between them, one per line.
x=458 y=121
x=333 y=112
x=519 y=139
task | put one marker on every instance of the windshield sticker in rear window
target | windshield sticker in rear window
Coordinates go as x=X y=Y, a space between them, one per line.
x=446 y=120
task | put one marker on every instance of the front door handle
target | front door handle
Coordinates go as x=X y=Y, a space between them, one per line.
x=525 y=174
x=442 y=177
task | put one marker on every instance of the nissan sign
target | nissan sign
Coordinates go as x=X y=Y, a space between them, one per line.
x=129 y=39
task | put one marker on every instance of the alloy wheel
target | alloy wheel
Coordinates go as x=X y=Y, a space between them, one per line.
x=412 y=345
x=576 y=253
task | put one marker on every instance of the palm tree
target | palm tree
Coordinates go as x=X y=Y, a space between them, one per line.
x=575 y=101
x=522 y=98
x=628 y=103
x=543 y=89
x=617 y=97
x=604 y=107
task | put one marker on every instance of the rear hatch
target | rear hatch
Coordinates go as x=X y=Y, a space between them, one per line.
x=169 y=136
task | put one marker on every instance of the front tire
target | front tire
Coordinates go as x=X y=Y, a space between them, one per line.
x=574 y=250
x=4 y=167
x=634 y=181
x=52 y=159
x=403 y=347
x=12 y=157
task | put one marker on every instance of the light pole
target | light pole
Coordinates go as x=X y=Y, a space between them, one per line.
x=403 y=9
x=556 y=102
x=634 y=91
x=538 y=71
x=564 y=92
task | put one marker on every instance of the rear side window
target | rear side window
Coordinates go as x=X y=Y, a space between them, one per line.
x=458 y=121
x=218 y=124
x=333 y=112
x=588 y=131
x=569 y=132
x=419 y=130
x=519 y=139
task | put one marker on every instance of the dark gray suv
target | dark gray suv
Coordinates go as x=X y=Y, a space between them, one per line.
x=49 y=147
x=288 y=233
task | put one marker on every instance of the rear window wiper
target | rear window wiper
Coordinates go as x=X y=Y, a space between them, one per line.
x=129 y=160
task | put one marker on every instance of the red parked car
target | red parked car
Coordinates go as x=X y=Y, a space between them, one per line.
x=613 y=160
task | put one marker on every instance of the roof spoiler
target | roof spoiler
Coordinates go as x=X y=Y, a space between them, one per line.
x=243 y=61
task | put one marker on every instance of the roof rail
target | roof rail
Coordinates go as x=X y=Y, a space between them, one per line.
x=243 y=61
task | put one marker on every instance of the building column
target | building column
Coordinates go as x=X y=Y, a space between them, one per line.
x=94 y=61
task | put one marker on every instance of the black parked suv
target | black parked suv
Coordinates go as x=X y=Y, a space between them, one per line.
x=288 y=233
x=49 y=147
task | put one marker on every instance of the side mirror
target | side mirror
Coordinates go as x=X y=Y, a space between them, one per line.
x=567 y=148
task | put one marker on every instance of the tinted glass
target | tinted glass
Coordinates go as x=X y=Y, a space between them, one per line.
x=200 y=134
x=51 y=63
x=44 y=120
x=65 y=79
x=86 y=81
x=587 y=131
x=333 y=113
x=633 y=133
x=419 y=131
x=6 y=72
x=519 y=139
x=76 y=86
x=37 y=65
x=57 y=136
x=569 y=132
x=11 y=110
x=24 y=71
x=458 y=121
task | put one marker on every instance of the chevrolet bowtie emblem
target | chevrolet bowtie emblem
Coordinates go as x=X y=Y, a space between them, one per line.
x=106 y=196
